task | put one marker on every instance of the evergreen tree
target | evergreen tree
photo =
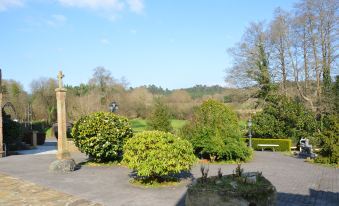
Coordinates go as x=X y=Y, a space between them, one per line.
x=160 y=119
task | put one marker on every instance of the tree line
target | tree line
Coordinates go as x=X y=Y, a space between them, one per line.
x=295 y=54
x=96 y=95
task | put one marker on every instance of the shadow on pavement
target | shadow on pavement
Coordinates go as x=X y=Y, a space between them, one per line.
x=316 y=197
x=181 y=201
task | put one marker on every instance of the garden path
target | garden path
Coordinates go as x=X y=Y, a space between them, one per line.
x=297 y=182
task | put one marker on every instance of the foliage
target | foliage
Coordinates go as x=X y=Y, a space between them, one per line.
x=199 y=91
x=328 y=140
x=44 y=99
x=336 y=94
x=284 y=144
x=157 y=90
x=160 y=119
x=101 y=135
x=262 y=77
x=214 y=133
x=14 y=93
x=40 y=126
x=154 y=154
x=284 y=118
x=12 y=132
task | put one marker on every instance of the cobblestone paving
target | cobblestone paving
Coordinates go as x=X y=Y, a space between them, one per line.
x=16 y=192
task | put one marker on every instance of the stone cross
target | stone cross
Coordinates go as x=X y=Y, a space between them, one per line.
x=64 y=162
x=60 y=76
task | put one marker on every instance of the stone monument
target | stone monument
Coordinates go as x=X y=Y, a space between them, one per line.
x=2 y=152
x=64 y=162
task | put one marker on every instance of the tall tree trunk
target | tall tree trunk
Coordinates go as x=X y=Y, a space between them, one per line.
x=283 y=65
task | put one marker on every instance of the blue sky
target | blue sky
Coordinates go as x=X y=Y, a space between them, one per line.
x=169 y=43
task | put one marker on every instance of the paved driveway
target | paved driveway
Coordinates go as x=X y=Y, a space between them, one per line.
x=298 y=183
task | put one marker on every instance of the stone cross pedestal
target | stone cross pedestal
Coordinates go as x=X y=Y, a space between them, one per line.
x=2 y=152
x=62 y=130
x=64 y=163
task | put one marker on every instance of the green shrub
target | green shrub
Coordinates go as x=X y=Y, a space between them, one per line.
x=322 y=160
x=214 y=133
x=284 y=144
x=101 y=135
x=160 y=119
x=154 y=154
x=284 y=118
x=328 y=139
x=40 y=126
x=12 y=132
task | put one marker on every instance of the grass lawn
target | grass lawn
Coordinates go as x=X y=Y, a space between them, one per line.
x=139 y=125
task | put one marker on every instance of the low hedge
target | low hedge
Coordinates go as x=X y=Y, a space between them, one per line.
x=284 y=144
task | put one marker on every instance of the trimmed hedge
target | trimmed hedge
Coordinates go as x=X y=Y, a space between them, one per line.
x=284 y=144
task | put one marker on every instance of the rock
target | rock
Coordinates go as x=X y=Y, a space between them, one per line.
x=234 y=185
x=251 y=177
x=62 y=166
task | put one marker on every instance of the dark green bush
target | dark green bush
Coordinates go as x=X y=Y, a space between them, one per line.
x=284 y=118
x=328 y=140
x=160 y=118
x=12 y=133
x=214 y=133
x=154 y=154
x=40 y=126
x=101 y=135
x=284 y=144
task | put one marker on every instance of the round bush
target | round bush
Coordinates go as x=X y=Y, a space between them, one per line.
x=154 y=154
x=101 y=135
x=214 y=133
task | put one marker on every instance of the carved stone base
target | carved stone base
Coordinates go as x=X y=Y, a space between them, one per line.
x=62 y=166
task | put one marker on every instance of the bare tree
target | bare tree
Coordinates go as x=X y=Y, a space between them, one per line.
x=43 y=99
x=279 y=31
x=251 y=59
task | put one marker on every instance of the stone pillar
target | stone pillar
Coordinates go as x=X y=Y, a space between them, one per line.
x=2 y=152
x=63 y=152
x=35 y=139
x=64 y=162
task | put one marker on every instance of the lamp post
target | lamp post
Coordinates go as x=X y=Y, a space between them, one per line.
x=113 y=107
x=249 y=124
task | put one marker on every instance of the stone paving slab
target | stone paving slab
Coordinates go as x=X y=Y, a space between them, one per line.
x=17 y=192
x=298 y=183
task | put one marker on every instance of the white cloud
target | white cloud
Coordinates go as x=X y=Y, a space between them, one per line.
x=94 y=4
x=6 y=4
x=56 y=20
x=136 y=6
